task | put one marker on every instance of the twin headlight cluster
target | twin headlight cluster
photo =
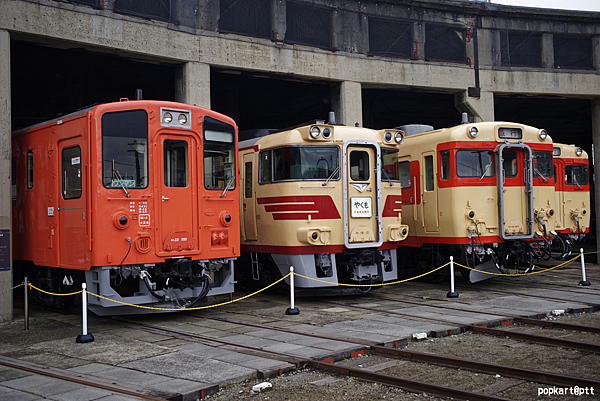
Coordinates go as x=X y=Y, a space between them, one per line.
x=396 y=136
x=174 y=118
x=317 y=132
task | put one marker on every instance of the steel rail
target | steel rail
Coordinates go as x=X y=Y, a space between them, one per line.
x=91 y=381
x=414 y=356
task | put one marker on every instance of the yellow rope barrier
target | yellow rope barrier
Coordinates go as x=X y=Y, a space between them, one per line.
x=308 y=278
x=522 y=274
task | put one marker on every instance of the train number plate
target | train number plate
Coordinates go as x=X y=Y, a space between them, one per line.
x=360 y=206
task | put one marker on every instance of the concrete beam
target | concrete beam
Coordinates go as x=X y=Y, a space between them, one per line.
x=596 y=141
x=6 y=303
x=193 y=84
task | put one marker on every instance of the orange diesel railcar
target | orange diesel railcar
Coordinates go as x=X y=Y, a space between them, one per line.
x=137 y=198
x=572 y=190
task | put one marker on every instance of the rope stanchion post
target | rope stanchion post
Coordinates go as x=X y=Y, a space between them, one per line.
x=85 y=337
x=292 y=310
x=26 y=303
x=452 y=293
x=584 y=281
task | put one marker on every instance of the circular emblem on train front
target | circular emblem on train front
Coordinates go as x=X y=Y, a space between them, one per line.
x=210 y=212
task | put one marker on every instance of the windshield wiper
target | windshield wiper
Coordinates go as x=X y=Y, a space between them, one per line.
x=576 y=182
x=229 y=186
x=385 y=171
x=331 y=175
x=485 y=171
x=116 y=175
x=538 y=171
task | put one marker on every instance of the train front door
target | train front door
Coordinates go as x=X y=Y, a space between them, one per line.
x=72 y=218
x=248 y=200
x=177 y=167
x=362 y=194
x=429 y=194
x=515 y=191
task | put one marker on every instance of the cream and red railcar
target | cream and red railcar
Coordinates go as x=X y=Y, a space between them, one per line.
x=481 y=192
x=137 y=198
x=572 y=191
x=325 y=199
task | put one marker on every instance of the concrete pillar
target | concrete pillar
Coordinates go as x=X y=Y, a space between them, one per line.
x=596 y=52
x=596 y=141
x=547 y=50
x=193 y=84
x=6 y=299
x=418 y=35
x=496 y=49
x=278 y=20
x=348 y=105
x=479 y=109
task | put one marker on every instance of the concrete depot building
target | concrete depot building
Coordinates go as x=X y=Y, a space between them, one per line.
x=276 y=63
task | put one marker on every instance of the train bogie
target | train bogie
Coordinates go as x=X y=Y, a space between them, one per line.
x=325 y=199
x=139 y=197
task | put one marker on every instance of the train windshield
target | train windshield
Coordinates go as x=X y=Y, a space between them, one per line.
x=576 y=175
x=219 y=155
x=125 y=149
x=300 y=163
x=475 y=163
x=389 y=164
x=542 y=165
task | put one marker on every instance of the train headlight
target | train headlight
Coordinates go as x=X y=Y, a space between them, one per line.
x=471 y=214
x=225 y=218
x=388 y=136
x=315 y=132
x=326 y=132
x=543 y=134
x=473 y=132
x=551 y=212
x=167 y=117
x=182 y=119
x=578 y=151
x=315 y=235
x=399 y=137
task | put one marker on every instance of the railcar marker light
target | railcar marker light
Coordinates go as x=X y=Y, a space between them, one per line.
x=326 y=133
x=182 y=119
x=398 y=137
x=315 y=132
x=543 y=134
x=388 y=136
x=578 y=151
x=473 y=132
x=167 y=118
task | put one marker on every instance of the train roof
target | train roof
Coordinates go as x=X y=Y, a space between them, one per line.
x=568 y=151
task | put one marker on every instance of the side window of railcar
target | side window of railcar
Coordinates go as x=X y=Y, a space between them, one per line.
x=445 y=164
x=125 y=149
x=305 y=163
x=248 y=180
x=542 y=164
x=576 y=175
x=219 y=154
x=30 y=169
x=175 y=163
x=510 y=164
x=475 y=163
x=404 y=174
x=14 y=180
x=429 y=173
x=71 y=173
x=359 y=165
x=265 y=167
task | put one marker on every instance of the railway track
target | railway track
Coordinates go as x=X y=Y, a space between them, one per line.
x=528 y=375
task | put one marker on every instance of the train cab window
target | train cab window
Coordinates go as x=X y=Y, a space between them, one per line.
x=429 y=173
x=219 y=154
x=265 y=167
x=71 y=173
x=510 y=163
x=248 y=180
x=555 y=175
x=542 y=165
x=389 y=164
x=125 y=149
x=475 y=163
x=576 y=175
x=359 y=165
x=175 y=163
x=445 y=164
x=404 y=174
x=30 y=169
